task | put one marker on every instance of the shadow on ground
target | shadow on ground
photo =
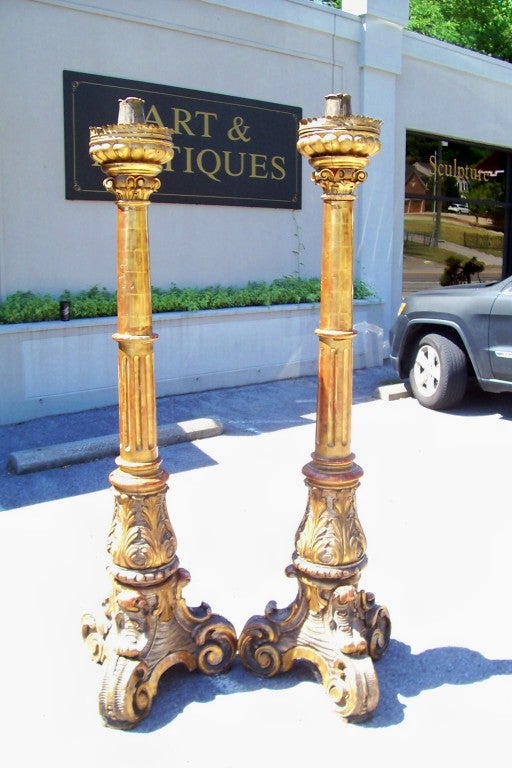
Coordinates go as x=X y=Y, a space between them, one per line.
x=401 y=673
x=243 y=411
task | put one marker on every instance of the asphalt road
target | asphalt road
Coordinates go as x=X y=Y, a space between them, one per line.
x=421 y=274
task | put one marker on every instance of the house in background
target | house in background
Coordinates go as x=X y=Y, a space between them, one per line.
x=416 y=183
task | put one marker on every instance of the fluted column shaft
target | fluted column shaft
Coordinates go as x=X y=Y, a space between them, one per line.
x=137 y=404
x=335 y=333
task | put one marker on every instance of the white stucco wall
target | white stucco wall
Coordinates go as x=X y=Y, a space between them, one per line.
x=267 y=50
x=453 y=92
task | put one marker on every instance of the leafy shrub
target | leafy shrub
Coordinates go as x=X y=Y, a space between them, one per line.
x=27 y=307
x=362 y=291
x=459 y=270
x=96 y=302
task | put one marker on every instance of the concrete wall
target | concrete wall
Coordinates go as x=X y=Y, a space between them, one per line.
x=56 y=367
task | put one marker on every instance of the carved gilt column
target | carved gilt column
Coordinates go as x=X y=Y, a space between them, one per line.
x=331 y=623
x=147 y=627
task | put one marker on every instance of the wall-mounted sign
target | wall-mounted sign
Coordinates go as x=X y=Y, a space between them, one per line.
x=228 y=150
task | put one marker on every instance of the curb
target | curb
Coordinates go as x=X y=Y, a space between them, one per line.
x=391 y=392
x=78 y=451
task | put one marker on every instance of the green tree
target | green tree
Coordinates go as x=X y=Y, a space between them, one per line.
x=492 y=191
x=480 y=25
x=485 y=27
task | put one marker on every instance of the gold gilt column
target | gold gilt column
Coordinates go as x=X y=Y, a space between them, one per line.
x=331 y=623
x=147 y=627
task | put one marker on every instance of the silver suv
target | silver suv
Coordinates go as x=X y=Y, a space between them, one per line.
x=458 y=208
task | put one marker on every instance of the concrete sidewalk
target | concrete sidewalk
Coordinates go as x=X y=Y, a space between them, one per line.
x=434 y=509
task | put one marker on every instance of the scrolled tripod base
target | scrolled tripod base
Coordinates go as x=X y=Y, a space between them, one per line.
x=147 y=630
x=337 y=628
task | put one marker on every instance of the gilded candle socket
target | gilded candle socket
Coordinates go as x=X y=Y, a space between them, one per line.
x=131 y=143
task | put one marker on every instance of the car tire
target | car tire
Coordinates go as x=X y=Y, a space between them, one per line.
x=438 y=375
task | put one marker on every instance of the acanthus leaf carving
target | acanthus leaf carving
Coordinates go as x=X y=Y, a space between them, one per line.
x=339 y=181
x=131 y=188
x=141 y=535
x=330 y=533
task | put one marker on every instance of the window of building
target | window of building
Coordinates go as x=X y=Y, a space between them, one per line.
x=456 y=214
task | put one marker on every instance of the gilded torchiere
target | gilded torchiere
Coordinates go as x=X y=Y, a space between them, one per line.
x=331 y=623
x=147 y=626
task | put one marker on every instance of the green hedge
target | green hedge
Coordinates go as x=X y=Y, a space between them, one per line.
x=28 y=307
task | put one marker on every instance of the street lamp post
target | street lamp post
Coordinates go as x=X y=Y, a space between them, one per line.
x=438 y=192
x=147 y=626
x=331 y=623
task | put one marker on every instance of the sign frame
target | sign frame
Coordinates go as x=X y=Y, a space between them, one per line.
x=228 y=150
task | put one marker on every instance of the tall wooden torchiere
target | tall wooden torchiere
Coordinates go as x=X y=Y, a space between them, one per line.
x=147 y=626
x=331 y=623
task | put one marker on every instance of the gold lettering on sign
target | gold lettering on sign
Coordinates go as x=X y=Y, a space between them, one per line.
x=217 y=165
x=152 y=116
x=182 y=122
x=206 y=123
x=214 y=168
x=212 y=163
x=188 y=159
x=456 y=171
x=239 y=130
x=277 y=163
x=227 y=163
x=181 y=119
x=258 y=167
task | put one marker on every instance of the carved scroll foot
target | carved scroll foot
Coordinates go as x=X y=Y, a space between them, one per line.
x=338 y=629
x=146 y=630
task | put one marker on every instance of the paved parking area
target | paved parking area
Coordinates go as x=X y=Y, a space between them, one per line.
x=433 y=504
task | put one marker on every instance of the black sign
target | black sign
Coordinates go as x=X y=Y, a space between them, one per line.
x=228 y=150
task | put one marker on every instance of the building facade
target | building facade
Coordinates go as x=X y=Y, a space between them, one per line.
x=286 y=54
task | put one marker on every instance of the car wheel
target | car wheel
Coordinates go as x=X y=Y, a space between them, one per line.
x=438 y=376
